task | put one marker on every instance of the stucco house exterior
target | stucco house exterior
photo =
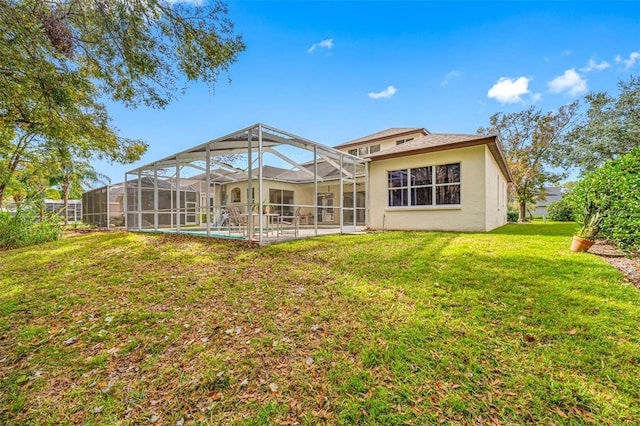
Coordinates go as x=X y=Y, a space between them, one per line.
x=433 y=181
x=259 y=182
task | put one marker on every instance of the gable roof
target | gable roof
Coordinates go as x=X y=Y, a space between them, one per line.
x=444 y=141
x=548 y=196
x=384 y=134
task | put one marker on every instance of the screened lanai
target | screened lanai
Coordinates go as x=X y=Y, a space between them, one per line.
x=259 y=183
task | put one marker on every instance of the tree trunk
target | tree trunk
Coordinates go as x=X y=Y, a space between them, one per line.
x=65 y=198
x=522 y=214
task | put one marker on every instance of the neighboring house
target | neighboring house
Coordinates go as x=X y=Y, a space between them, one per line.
x=400 y=178
x=550 y=194
x=74 y=208
x=420 y=180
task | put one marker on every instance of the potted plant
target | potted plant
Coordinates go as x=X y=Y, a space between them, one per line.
x=585 y=236
x=266 y=207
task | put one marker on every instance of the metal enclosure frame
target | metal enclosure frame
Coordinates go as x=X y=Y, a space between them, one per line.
x=188 y=192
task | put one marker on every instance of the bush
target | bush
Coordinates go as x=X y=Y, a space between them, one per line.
x=561 y=211
x=512 y=216
x=24 y=228
x=613 y=192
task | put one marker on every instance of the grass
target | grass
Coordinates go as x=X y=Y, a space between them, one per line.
x=385 y=328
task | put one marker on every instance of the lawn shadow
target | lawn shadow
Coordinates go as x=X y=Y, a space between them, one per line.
x=557 y=229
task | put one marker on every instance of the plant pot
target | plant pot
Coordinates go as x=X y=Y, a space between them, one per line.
x=581 y=244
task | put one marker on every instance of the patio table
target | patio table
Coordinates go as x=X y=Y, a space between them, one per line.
x=268 y=222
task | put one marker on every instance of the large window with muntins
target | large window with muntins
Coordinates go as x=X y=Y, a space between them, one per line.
x=424 y=186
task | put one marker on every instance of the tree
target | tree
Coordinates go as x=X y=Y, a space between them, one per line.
x=58 y=57
x=609 y=128
x=532 y=141
x=135 y=50
x=35 y=126
x=612 y=192
x=72 y=173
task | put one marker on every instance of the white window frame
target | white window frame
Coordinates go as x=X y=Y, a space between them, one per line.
x=433 y=185
x=365 y=150
x=401 y=141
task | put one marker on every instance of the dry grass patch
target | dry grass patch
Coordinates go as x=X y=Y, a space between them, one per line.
x=382 y=328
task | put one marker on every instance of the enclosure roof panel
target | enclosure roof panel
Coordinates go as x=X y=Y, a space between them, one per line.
x=238 y=142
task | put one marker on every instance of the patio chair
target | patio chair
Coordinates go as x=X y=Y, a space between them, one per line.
x=236 y=219
x=221 y=218
x=290 y=221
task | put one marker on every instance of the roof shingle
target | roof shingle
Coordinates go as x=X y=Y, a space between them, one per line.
x=443 y=141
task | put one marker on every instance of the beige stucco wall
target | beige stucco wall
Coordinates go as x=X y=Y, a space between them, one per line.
x=303 y=195
x=299 y=197
x=469 y=216
x=496 y=201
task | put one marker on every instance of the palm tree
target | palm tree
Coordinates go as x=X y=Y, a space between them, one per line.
x=73 y=174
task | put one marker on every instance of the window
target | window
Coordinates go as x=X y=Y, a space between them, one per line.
x=365 y=150
x=448 y=184
x=398 y=188
x=282 y=201
x=424 y=186
x=235 y=195
x=401 y=141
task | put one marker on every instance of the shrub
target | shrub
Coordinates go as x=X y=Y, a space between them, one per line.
x=561 y=211
x=512 y=216
x=613 y=192
x=24 y=228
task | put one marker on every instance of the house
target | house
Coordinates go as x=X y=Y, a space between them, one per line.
x=550 y=194
x=74 y=208
x=258 y=181
x=433 y=181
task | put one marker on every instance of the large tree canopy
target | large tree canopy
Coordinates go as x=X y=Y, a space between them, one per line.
x=609 y=128
x=532 y=140
x=59 y=57
x=135 y=50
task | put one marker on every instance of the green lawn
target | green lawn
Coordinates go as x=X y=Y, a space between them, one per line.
x=386 y=328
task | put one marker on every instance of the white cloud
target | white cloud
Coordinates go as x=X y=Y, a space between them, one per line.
x=570 y=82
x=324 y=44
x=593 y=65
x=509 y=91
x=618 y=59
x=386 y=93
x=450 y=76
x=535 y=97
x=628 y=63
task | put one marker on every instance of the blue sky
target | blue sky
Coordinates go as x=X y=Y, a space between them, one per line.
x=334 y=71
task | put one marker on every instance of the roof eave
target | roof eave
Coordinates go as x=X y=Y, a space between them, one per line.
x=490 y=141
